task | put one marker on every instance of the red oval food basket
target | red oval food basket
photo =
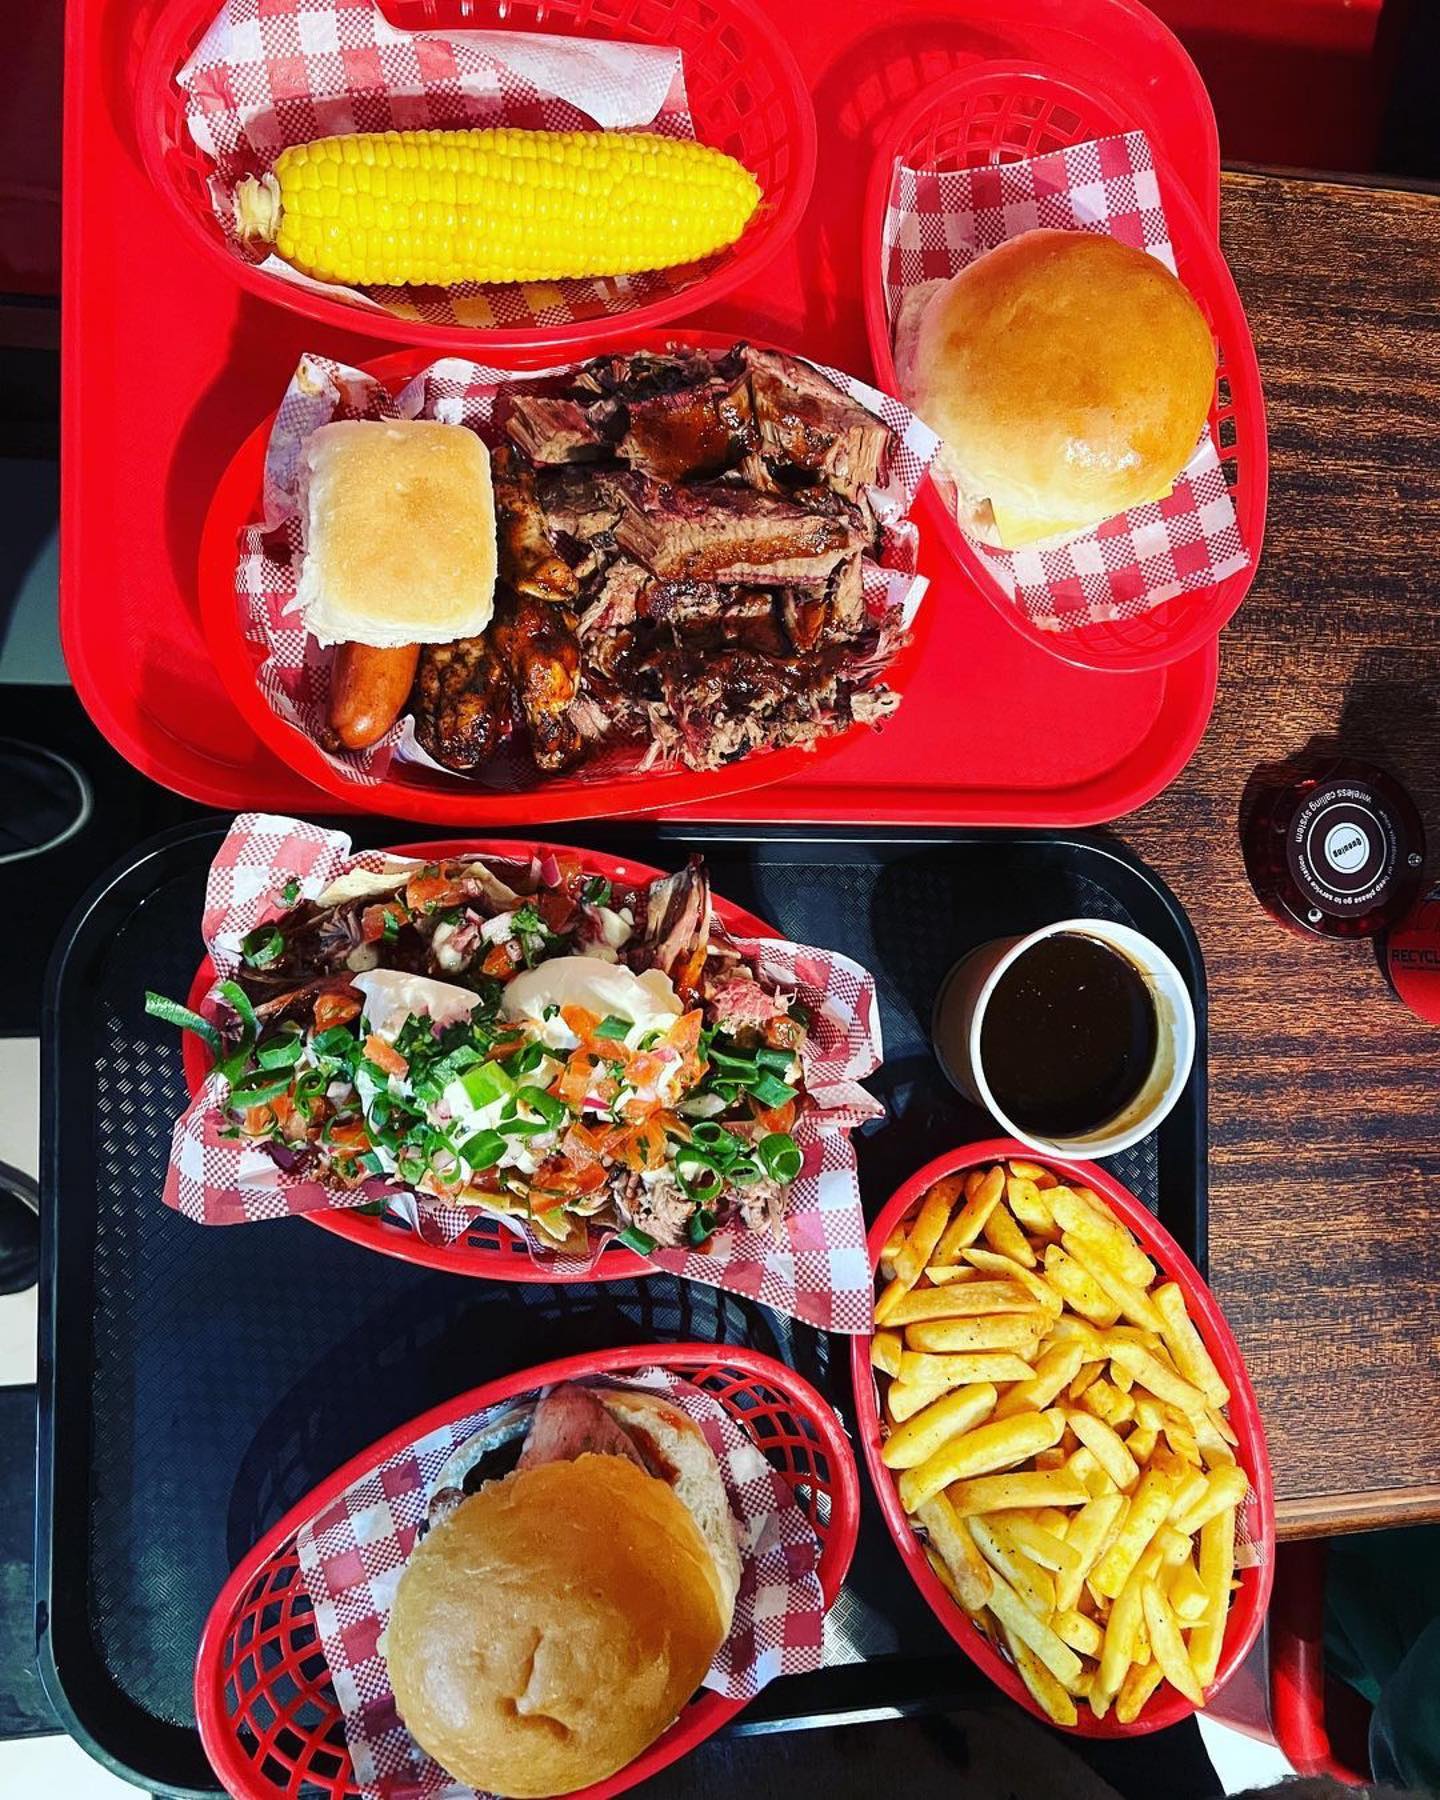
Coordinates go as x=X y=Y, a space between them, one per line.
x=488 y=1249
x=1255 y=1527
x=267 y=1713
x=747 y=97
x=1009 y=112
x=411 y=791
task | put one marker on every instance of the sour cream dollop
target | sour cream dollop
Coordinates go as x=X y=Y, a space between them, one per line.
x=647 y=1002
x=392 y=997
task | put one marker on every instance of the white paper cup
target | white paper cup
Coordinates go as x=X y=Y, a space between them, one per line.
x=960 y=1013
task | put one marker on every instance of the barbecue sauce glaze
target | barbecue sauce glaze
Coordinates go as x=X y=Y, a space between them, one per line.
x=1069 y=1036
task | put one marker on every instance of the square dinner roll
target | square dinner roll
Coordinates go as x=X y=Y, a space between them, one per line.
x=399 y=520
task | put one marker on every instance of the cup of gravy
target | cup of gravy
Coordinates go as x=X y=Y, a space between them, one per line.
x=1077 y=1038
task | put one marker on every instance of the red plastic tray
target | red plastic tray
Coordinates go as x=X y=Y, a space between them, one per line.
x=746 y=96
x=260 y=1668
x=488 y=1250
x=168 y=363
x=1007 y=112
x=1166 y=1706
x=414 y=792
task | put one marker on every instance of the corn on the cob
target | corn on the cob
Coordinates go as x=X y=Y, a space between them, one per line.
x=400 y=208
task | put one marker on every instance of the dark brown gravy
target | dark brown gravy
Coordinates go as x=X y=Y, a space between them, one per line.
x=1068 y=1037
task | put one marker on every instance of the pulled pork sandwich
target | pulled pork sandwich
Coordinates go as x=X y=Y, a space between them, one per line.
x=552 y=1625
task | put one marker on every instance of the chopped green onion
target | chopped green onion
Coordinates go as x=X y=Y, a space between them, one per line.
x=800 y=1014
x=410 y=1167
x=597 y=891
x=290 y=893
x=338 y=1042
x=552 y=1011
x=310 y=1086
x=486 y=1083
x=723 y=1145
x=389 y=926
x=701 y=1225
x=236 y=997
x=781 y=1156
x=778 y=1061
x=612 y=1026
x=523 y=1128
x=372 y=1164
x=772 y=1092
x=554 y=1112
x=742 y=1067
x=282 y=1052
x=259 y=1091
x=633 y=1238
x=263 y=946
x=698 y=1175
x=744 y=1171
x=483 y=1150
x=173 y=1013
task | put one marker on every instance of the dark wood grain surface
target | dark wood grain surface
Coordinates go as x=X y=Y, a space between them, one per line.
x=1325 y=1089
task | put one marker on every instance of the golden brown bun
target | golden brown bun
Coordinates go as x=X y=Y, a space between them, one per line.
x=399 y=533
x=1070 y=377
x=553 y=1626
x=678 y=1450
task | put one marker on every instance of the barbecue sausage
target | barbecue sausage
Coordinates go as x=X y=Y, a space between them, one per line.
x=368 y=689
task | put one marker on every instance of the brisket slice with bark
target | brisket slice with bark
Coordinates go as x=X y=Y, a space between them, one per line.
x=698 y=431
x=807 y=425
x=730 y=534
x=552 y=429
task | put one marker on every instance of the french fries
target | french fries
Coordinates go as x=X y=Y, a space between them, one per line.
x=999 y=1493
x=1057 y=1434
x=950 y=1538
x=999 y=1445
x=920 y=1437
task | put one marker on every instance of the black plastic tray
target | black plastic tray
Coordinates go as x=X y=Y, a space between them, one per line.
x=195 y=1383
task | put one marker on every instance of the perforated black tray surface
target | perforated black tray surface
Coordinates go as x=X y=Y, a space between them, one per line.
x=195 y=1383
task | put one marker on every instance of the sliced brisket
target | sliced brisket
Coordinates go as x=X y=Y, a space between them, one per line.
x=726 y=534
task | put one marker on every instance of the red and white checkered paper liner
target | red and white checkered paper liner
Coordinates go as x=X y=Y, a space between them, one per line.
x=935 y=225
x=295 y=673
x=271 y=73
x=352 y=1554
x=820 y=1272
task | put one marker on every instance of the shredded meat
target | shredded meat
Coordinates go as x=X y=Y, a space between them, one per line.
x=660 y=1209
x=676 y=937
x=682 y=539
x=552 y=429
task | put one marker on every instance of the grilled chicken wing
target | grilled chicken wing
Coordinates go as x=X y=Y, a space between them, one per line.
x=464 y=708
x=540 y=647
x=529 y=562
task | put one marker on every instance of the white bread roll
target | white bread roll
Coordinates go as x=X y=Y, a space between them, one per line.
x=1070 y=377
x=399 y=521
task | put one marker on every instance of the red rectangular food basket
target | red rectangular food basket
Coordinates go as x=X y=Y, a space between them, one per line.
x=168 y=363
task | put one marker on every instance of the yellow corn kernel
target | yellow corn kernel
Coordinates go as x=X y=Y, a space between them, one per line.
x=400 y=208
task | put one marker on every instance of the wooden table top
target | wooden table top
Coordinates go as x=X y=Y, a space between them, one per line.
x=1324 y=1088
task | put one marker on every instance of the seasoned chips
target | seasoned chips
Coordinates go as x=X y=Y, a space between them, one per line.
x=1057 y=1434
